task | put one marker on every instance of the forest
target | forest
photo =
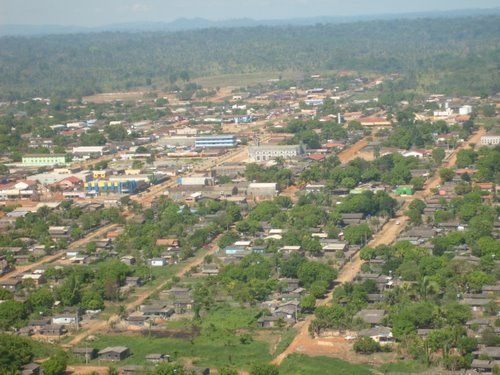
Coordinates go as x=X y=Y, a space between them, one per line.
x=458 y=55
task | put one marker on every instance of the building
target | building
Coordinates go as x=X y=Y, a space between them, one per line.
x=105 y=186
x=114 y=353
x=89 y=151
x=404 y=190
x=43 y=160
x=270 y=152
x=465 y=110
x=158 y=262
x=490 y=139
x=262 y=189
x=215 y=141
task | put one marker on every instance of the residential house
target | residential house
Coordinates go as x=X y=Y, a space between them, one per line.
x=86 y=354
x=382 y=335
x=31 y=369
x=157 y=358
x=369 y=316
x=52 y=330
x=114 y=353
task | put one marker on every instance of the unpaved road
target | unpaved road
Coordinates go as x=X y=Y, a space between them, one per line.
x=52 y=258
x=303 y=342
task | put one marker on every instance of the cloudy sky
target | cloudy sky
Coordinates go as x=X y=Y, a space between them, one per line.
x=106 y=12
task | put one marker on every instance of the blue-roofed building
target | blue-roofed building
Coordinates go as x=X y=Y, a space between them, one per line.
x=215 y=141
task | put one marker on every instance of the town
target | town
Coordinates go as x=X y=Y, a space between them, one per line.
x=293 y=225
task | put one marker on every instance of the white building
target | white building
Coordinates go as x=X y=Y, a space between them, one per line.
x=490 y=140
x=158 y=262
x=465 y=110
x=270 y=152
x=262 y=189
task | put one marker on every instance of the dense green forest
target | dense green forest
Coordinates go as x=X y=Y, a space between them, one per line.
x=458 y=55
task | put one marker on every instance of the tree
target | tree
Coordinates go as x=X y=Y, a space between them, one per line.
x=92 y=300
x=309 y=272
x=358 y=234
x=15 y=352
x=41 y=300
x=56 y=364
x=438 y=155
x=446 y=174
x=264 y=369
x=308 y=303
x=417 y=204
x=366 y=345
x=12 y=314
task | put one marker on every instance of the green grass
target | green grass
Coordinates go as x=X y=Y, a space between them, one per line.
x=218 y=344
x=286 y=339
x=403 y=367
x=298 y=364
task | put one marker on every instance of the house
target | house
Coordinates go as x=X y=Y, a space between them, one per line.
x=287 y=311
x=30 y=369
x=37 y=324
x=404 y=190
x=128 y=260
x=179 y=292
x=52 y=330
x=167 y=242
x=86 y=354
x=36 y=278
x=59 y=232
x=157 y=358
x=372 y=317
x=492 y=352
x=133 y=281
x=64 y=319
x=4 y=267
x=484 y=366
x=210 y=269
x=262 y=189
x=10 y=284
x=268 y=321
x=158 y=262
x=183 y=305
x=289 y=284
x=137 y=320
x=113 y=353
x=159 y=311
x=477 y=304
x=382 y=335
x=352 y=218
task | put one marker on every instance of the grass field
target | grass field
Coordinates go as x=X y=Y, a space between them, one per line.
x=297 y=364
x=217 y=345
x=404 y=367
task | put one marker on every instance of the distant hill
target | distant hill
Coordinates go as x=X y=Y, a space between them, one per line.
x=184 y=24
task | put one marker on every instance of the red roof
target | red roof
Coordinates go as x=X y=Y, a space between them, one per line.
x=71 y=179
x=317 y=157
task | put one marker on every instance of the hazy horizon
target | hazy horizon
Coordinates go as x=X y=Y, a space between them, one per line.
x=95 y=13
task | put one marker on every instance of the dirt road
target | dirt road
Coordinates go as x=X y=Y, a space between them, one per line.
x=52 y=258
x=352 y=152
x=303 y=342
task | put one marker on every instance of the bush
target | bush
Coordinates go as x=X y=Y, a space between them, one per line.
x=366 y=345
x=264 y=369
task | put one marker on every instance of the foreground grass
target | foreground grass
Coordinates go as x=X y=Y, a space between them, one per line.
x=217 y=345
x=404 y=367
x=298 y=364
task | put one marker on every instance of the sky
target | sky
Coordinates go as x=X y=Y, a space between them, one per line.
x=93 y=13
